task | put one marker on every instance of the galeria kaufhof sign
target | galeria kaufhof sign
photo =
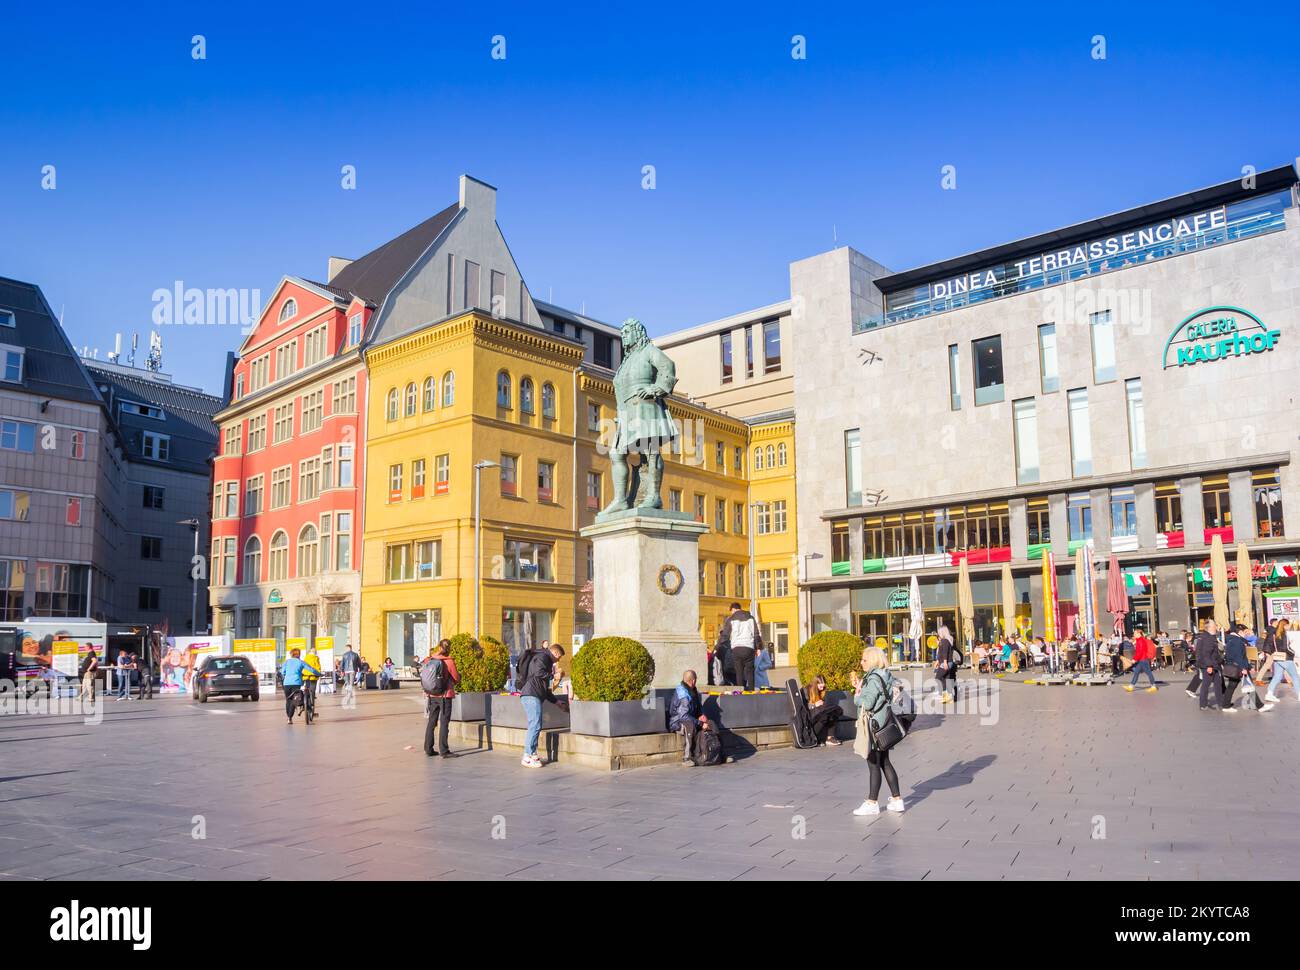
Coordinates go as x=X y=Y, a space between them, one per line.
x=1217 y=333
x=1121 y=244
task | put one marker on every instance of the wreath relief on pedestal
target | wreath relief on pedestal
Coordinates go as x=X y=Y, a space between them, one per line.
x=670 y=580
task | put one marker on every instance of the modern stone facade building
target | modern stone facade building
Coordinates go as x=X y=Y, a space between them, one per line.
x=1129 y=383
x=98 y=464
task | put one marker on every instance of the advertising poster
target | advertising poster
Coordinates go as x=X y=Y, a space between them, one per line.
x=181 y=656
x=261 y=654
x=66 y=658
x=56 y=648
x=325 y=650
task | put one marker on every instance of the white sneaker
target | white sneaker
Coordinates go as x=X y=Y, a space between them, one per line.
x=1229 y=710
x=1190 y=693
x=895 y=805
x=530 y=761
x=867 y=808
x=1266 y=707
x=1271 y=698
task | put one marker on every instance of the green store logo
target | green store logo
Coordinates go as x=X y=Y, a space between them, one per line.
x=898 y=599
x=1217 y=333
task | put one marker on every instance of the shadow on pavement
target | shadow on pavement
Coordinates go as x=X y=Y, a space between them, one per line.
x=961 y=773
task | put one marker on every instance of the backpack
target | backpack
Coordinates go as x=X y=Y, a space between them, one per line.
x=708 y=748
x=903 y=704
x=435 y=677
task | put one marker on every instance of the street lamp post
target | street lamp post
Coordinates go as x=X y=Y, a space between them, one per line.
x=808 y=609
x=753 y=567
x=478 y=535
x=194 y=576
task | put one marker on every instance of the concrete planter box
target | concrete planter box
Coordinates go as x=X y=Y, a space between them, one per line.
x=504 y=710
x=736 y=711
x=620 y=719
x=472 y=706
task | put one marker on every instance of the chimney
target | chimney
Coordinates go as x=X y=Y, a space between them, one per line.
x=478 y=197
x=337 y=265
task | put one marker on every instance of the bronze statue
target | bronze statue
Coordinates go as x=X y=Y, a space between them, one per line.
x=642 y=382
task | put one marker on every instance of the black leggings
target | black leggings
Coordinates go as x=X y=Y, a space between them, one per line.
x=823 y=720
x=878 y=763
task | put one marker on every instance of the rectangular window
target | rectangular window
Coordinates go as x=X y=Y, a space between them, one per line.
x=354 y=329
x=781 y=582
x=726 y=358
x=149 y=598
x=738 y=518
x=739 y=461
x=509 y=475
x=153 y=497
x=852 y=468
x=7 y=320
x=1267 y=489
x=771 y=346
x=498 y=281
x=839 y=542
x=1103 y=347
x=231 y=508
x=142 y=410
x=308 y=479
x=720 y=457
x=327 y=467
x=1123 y=512
x=1039 y=521
x=720 y=515
x=1080 y=432
x=778 y=516
x=257 y=433
x=545 y=481
x=345 y=466
x=528 y=560
x=720 y=576
x=417 y=478
x=593 y=490
x=253 y=495
x=283 y=427
x=1026 y=435
x=343 y=540
x=344 y=398
x=313 y=348
x=441 y=474
x=395 y=483
x=1047 y=365
x=13 y=365
x=1079 y=514
x=72 y=513
x=593 y=416
x=763 y=519
x=150 y=547
x=472 y=295
x=260 y=372
x=281 y=486
x=428 y=559
x=987 y=355
x=239 y=386
x=13 y=580
x=699 y=508
x=603 y=349
x=157 y=446
x=228 y=563
x=61 y=589
x=313 y=411
x=1169 y=508
x=79 y=445
x=674 y=499
x=764 y=583
x=17 y=436
x=740 y=580
x=232 y=439
x=1214 y=498
x=1137 y=423
x=954 y=377
x=749 y=353
x=401 y=567
x=286 y=359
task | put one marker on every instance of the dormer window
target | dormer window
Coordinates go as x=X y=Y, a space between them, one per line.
x=289 y=310
x=11 y=364
x=7 y=319
x=144 y=410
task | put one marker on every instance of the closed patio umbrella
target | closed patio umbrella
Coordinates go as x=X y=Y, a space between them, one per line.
x=1049 y=598
x=1219 y=581
x=966 y=604
x=1116 y=594
x=1008 y=600
x=1245 y=588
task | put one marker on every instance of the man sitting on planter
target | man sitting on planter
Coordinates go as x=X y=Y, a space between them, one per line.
x=684 y=714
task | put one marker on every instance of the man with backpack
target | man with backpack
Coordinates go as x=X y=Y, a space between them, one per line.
x=438 y=677
x=744 y=639
x=533 y=678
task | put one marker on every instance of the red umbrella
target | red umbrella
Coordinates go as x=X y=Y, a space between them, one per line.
x=1116 y=594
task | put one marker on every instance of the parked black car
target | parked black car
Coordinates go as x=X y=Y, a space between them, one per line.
x=218 y=676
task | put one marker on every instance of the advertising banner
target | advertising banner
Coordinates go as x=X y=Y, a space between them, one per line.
x=181 y=656
x=261 y=654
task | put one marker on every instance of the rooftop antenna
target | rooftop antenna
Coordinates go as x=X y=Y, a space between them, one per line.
x=154 y=361
x=135 y=342
x=835 y=236
x=116 y=352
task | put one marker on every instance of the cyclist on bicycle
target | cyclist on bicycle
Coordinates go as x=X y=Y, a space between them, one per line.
x=310 y=678
x=292 y=672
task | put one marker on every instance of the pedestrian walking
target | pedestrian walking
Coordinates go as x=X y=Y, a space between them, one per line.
x=439 y=677
x=1209 y=663
x=872 y=693
x=684 y=715
x=350 y=666
x=1144 y=653
x=89 y=666
x=945 y=665
x=536 y=667
x=744 y=639
x=1277 y=643
x=1237 y=669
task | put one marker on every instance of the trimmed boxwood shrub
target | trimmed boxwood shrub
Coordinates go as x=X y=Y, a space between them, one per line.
x=832 y=653
x=612 y=669
x=483 y=666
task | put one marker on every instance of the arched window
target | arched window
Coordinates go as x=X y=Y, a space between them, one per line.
x=758 y=458
x=253 y=560
x=503 y=390
x=771 y=457
x=780 y=454
x=410 y=399
x=526 y=395
x=448 y=389
x=392 y=404
x=307 y=546
x=279 y=556
x=430 y=393
x=289 y=310
x=548 y=400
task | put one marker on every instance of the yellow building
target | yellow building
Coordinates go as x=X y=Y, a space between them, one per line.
x=776 y=547
x=476 y=388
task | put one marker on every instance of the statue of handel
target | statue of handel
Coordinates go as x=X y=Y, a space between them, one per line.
x=644 y=378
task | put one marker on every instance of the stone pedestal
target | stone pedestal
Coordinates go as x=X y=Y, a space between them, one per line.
x=639 y=555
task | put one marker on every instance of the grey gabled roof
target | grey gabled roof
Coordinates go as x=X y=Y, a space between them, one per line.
x=377 y=272
x=51 y=368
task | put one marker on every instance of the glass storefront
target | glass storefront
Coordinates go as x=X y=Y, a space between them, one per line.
x=410 y=635
x=882 y=615
x=521 y=629
x=338 y=619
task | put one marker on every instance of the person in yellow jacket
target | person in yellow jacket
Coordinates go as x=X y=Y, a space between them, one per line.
x=311 y=674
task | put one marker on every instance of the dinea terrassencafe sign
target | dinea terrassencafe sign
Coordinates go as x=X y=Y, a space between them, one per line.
x=1218 y=333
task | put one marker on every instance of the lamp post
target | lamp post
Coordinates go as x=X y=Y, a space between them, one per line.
x=194 y=577
x=753 y=566
x=808 y=617
x=478 y=535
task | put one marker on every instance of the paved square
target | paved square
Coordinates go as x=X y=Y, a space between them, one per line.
x=1180 y=794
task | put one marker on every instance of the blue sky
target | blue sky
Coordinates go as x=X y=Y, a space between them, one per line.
x=226 y=172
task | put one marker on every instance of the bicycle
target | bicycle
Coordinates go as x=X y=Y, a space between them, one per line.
x=305 y=701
